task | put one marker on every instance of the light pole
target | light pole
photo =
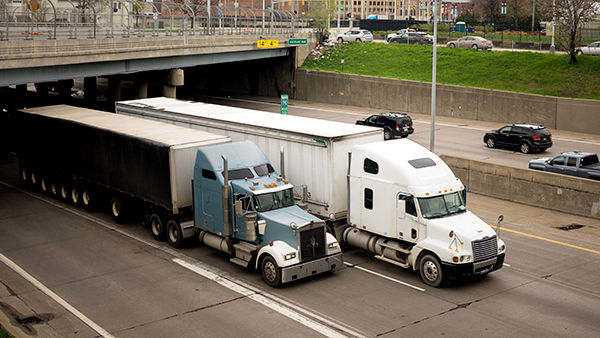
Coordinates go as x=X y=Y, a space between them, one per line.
x=433 y=77
x=552 y=47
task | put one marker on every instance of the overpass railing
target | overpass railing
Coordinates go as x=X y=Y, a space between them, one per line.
x=91 y=19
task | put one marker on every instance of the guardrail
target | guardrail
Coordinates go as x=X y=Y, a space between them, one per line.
x=87 y=19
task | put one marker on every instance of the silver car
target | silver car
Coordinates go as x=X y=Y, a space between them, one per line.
x=360 y=35
x=475 y=42
x=591 y=49
x=400 y=32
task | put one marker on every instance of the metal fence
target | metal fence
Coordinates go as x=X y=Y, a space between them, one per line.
x=100 y=19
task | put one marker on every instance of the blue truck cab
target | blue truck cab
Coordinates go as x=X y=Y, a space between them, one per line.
x=245 y=208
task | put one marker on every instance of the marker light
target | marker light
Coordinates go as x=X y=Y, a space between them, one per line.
x=251 y=188
x=332 y=245
x=293 y=225
x=290 y=256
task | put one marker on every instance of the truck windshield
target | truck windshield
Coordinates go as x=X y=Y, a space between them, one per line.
x=440 y=206
x=274 y=200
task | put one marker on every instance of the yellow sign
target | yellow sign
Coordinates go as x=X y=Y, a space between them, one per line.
x=267 y=43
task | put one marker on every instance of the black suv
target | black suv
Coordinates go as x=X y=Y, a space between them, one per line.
x=525 y=137
x=393 y=124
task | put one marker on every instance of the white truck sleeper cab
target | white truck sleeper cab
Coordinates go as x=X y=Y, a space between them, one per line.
x=408 y=208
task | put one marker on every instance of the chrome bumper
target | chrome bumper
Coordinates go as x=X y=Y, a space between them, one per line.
x=303 y=270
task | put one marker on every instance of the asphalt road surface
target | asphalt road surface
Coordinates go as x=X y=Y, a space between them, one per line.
x=69 y=273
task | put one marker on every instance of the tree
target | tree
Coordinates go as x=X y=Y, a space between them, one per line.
x=571 y=16
x=319 y=13
x=488 y=9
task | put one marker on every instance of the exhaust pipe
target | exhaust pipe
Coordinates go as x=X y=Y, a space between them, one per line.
x=227 y=228
x=281 y=162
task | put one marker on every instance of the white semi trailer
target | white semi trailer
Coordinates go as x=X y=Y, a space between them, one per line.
x=395 y=199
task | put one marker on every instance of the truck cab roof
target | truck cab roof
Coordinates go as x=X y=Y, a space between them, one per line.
x=403 y=161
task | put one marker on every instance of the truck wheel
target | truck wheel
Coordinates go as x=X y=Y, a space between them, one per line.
x=44 y=185
x=23 y=177
x=64 y=192
x=117 y=210
x=34 y=180
x=156 y=228
x=88 y=199
x=54 y=189
x=271 y=273
x=431 y=270
x=174 y=234
x=525 y=148
x=75 y=196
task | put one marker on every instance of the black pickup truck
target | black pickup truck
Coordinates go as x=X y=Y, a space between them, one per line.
x=393 y=124
x=574 y=163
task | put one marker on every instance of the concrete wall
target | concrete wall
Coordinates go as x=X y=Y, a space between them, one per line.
x=532 y=187
x=454 y=101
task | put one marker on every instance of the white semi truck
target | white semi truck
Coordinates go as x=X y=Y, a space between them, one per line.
x=394 y=199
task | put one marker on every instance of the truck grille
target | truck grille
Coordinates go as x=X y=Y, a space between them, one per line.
x=312 y=243
x=485 y=248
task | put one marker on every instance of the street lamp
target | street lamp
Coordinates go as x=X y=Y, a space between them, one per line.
x=552 y=47
x=433 y=77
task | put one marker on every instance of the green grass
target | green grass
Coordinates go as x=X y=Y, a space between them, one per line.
x=528 y=72
x=4 y=333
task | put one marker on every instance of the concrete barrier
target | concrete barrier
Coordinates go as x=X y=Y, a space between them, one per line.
x=532 y=187
x=454 y=101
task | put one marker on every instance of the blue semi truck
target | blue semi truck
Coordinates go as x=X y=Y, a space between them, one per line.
x=183 y=183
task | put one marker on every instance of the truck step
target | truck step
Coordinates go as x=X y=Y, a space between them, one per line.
x=187 y=224
x=239 y=262
x=400 y=264
x=244 y=250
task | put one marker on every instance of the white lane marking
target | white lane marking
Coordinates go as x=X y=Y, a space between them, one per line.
x=55 y=297
x=259 y=298
x=416 y=121
x=209 y=269
x=383 y=276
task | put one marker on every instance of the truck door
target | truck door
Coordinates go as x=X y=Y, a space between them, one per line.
x=557 y=165
x=407 y=224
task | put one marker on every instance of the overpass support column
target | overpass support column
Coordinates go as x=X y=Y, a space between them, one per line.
x=172 y=80
x=141 y=87
x=89 y=89
x=64 y=88
x=114 y=88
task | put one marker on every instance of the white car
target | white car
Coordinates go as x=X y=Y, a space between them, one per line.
x=400 y=32
x=591 y=49
x=360 y=35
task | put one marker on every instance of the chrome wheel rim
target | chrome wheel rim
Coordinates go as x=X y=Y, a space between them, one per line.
x=74 y=196
x=33 y=178
x=270 y=271
x=155 y=226
x=64 y=192
x=53 y=189
x=524 y=148
x=490 y=143
x=116 y=209
x=430 y=271
x=173 y=234
x=44 y=186
x=24 y=175
x=85 y=197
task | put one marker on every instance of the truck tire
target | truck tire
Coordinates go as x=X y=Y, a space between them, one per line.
x=34 y=180
x=157 y=228
x=54 y=190
x=431 y=270
x=75 y=196
x=117 y=210
x=174 y=234
x=44 y=185
x=64 y=192
x=88 y=199
x=23 y=177
x=271 y=273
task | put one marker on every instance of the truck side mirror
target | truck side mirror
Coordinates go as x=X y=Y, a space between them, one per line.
x=262 y=225
x=401 y=212
x=238 y=208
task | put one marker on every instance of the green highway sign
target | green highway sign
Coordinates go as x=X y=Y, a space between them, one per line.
x=296 y=42
x=284 y=104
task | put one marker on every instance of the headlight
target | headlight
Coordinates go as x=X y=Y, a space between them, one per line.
x=501 y=249
x=332 y=245
x=290 y=256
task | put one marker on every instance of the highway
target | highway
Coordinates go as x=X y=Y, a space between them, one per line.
x=456 y=137
x=66 y=272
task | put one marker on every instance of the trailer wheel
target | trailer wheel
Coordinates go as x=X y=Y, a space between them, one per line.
x=34 y=179
x=431 y=270
x=64 y=192
x=174 y=234
x=271 y=273
x=44 y=185
x=23 y=177
x=54 y=189
x=88 y=199
x=117 y=210
x=157 y=228
x=75 y=196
